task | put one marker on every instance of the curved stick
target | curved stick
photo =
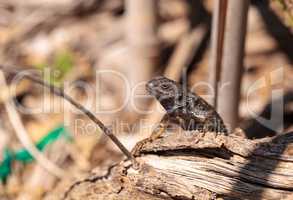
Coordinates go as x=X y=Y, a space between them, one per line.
x=60 y=92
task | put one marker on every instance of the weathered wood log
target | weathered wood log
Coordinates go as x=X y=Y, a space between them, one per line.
x=190 y=165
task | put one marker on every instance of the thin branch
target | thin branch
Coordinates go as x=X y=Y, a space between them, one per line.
x=60 y=92
x=23 y=136
x=217 y=39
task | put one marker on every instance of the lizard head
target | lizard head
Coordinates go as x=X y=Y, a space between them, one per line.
x=163 y=88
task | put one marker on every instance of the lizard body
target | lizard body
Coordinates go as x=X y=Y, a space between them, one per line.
x=184 y=107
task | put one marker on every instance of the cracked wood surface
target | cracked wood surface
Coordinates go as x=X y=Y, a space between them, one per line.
x=189 y=165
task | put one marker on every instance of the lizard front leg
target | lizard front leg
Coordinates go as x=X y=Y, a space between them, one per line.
x=156 y=133
x=159 y=130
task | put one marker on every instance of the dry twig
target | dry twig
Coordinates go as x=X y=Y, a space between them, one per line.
x=217 y=39
x=60 y=92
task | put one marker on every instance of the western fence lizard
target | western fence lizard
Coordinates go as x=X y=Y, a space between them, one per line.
x=184 y=107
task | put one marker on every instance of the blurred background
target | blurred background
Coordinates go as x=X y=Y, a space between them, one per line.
x=103 y=52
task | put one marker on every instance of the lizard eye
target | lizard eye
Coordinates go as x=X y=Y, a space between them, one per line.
x=165 y=86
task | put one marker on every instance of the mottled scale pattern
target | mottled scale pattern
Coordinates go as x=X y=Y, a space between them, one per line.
x=184 y=107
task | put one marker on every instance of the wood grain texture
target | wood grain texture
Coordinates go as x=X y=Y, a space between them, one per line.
x=189 y=165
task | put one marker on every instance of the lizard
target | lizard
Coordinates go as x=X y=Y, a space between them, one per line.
x=183 y=107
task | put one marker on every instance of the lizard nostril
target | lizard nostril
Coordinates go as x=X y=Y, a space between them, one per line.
x=149 y=85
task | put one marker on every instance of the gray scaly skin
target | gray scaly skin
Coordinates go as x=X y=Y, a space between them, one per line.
x=185 y=108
